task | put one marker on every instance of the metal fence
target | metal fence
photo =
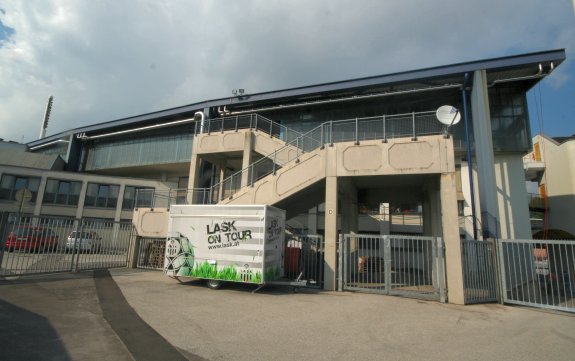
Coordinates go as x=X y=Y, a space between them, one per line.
x=151 y=253
x=409 y=266
x=304 y=258
x=37 y=245
x=479 y=262
x=538 y=273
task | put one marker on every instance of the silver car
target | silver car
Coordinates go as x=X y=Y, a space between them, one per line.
x=84 y=242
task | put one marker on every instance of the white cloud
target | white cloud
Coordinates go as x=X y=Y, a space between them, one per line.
x=104 y=60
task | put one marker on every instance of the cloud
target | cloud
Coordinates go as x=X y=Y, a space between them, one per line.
x=107 y=60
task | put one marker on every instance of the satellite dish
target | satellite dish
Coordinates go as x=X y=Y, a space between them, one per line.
x=448 y=115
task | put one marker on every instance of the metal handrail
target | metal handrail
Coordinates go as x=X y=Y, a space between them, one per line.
x=357 y=129
x=250 y=121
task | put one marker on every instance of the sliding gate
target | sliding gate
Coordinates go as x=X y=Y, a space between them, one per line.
x=410 y=266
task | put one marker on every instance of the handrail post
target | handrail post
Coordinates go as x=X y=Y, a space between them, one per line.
x=274 y=163
x=413 y=125
x=331 y=133
x=223 y=120
x=256 y=126
x=209 y=126
x=321 y=137
x=252 y=176
x=271 y=130
x=356 y=132
x=384 y=134
x=237 y=122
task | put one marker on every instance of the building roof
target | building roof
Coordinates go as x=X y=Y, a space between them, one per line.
x=525 y=68
x=562 y=140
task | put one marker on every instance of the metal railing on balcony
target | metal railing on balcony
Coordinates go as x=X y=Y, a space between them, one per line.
x=536 y=201
x=247 y=121
x=382 y=127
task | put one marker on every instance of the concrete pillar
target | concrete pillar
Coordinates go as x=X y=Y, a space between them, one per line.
x=247 y=158
x=512 y=197
x=484 y=152
x=450 y=231
x=40 y=196
x=82 y=199
x=384 y=219
x=194 y=175
x=312 y=221
x=118 y=213
x=468 y=214
x=331 y=234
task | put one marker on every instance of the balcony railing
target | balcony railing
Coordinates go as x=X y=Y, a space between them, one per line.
x=383 y=127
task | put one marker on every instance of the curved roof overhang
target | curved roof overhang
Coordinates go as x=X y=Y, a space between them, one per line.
x=526 y=69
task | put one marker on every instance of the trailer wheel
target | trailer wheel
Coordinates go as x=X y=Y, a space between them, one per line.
x=213 y=284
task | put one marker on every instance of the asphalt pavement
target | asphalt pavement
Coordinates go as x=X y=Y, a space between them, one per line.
x=128 y=314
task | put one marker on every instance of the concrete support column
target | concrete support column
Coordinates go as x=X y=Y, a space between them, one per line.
x=331 y=234
x=118 y=213
x=221 y=172
x=385 y=219
x=40 y=196
x=247 y=158
x=312 y=221
x=450 y=228
x=194 y=175
x=484 y=153
x=467 y=212
x=513 y=203
x=81 y=201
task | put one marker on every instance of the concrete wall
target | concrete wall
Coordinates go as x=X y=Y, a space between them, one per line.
x=512 y=197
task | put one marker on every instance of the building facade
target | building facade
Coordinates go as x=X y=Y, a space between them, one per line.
x=343 y=157
x=551 y=165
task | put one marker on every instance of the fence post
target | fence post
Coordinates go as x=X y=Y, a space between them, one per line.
x=321 y=137
x=274 y=163
x=440 y=275
x=340 y=264
x=237 y=122
x=222 y=127
x=345 y=265
x=76 y=250
x=387 y=263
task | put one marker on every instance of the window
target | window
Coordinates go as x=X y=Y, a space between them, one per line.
x=102 y=195
x=11 y=184
x=144 y=197
x=62 y=192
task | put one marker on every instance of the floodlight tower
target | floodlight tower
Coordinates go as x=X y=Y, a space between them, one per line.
x=46 y=117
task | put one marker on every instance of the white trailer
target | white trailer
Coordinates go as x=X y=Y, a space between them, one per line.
x=225 y=243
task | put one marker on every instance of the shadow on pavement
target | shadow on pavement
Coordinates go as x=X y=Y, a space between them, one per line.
x=27 y=336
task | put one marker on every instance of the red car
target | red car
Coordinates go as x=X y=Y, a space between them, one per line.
x=31 y=238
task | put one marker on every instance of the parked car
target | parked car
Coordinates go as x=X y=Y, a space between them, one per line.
x=84 y=242
x=31 y=238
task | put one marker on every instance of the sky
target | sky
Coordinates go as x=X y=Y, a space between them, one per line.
x=104 y=60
